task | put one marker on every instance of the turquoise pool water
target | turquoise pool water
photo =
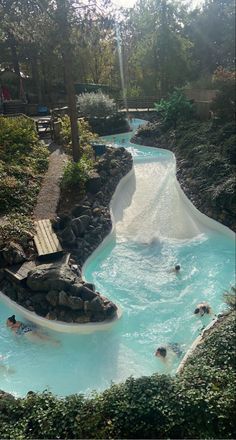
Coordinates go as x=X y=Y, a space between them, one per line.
x=154 y=231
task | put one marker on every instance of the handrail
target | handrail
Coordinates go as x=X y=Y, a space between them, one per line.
x=142 y=102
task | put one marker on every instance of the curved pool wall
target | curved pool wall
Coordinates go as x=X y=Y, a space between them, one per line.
x=131 y=267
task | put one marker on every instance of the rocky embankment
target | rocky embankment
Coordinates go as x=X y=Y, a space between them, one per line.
x=205 y=155
x=56 y=290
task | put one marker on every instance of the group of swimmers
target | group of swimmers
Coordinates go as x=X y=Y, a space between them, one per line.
x=201 y=309
x=19 y=328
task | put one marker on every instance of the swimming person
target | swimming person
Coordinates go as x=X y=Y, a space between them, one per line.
x=173 y=348
x=19 y=328
x=176 y=269
x=202 y=309
x=161 y=352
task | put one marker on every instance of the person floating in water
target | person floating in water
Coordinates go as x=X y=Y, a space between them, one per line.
x=172 y=348
x=19 y=328
x=202 y=309
x=176 y=269
x=161 y=352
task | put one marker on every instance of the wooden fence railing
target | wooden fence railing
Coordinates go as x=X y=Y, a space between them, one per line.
x=138 y=103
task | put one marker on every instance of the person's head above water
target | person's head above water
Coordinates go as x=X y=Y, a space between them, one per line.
x=202 y=309
x=177 y=267
x=11 y=320
x=161 y=351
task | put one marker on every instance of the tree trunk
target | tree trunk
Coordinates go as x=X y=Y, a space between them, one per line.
x=15 y=61
x=35 y=73
x=72 y=108
x=63 y=26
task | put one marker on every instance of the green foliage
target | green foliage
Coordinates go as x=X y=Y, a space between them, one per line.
x=224 y=103
x=96 y=105
x=198 y=403
x=17 y=228
x=23 y=159
x=77 y=173
x=85 y=133
x=230 y=298
x=175 y=109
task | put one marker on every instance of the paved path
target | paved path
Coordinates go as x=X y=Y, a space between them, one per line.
x=48 y=196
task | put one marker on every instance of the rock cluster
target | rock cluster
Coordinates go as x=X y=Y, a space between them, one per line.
x=12 y=254
x=56 y=291
x=84 y=228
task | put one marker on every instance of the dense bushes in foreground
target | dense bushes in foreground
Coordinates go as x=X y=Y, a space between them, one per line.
x=199 y=403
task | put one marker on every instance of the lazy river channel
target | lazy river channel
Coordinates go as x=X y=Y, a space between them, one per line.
x=155 y=227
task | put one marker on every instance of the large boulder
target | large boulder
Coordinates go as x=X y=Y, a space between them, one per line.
x=80 y=224
x=79 y=210
x=14 y=254
x=96 y=305
x=53 y=298
x=72 y=302
x=67 y=235
x=93 y=183
x=110 y=310
x=46 y=277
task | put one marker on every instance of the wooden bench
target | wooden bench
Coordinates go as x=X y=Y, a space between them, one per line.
x=46 y=241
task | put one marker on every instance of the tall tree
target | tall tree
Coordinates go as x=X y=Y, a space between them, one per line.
x=64 y=33
x=212 y=31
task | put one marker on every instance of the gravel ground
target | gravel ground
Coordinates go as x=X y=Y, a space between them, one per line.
x=49 y=194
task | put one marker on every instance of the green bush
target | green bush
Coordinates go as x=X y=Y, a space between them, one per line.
x=110 y=124
x=230 y=298
x=96 y=105
x=223 y=105
x=77 y=173
x=23 y=160
x=85 y=134
x=17 y=228
x=175 y=109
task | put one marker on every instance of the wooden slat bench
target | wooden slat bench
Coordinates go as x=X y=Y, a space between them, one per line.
x=46 y=241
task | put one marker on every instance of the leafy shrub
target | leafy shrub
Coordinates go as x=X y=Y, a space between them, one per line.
x=96 y=105
x=224 y=103
x=85 y=134
x=16 y=228
x=23 y=160
x=176 y=108
x=230 y=298
x=77 y=173
x=110 y=125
